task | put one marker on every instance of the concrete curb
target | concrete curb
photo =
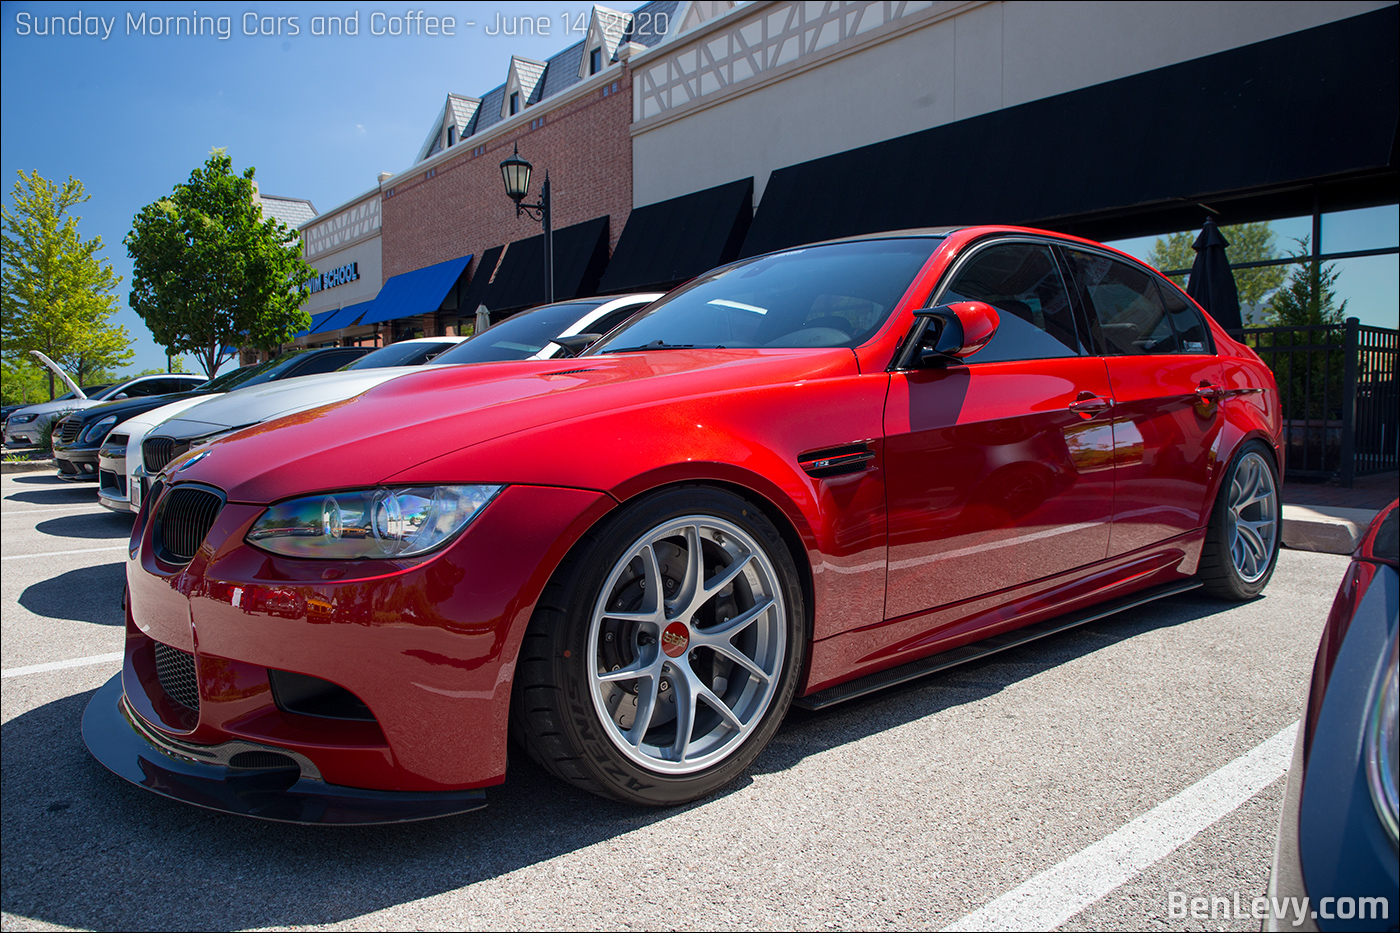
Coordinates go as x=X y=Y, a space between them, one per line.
x=1325 y=528
x=26 y=466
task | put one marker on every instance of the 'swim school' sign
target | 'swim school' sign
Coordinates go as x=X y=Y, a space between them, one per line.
x=338 y=276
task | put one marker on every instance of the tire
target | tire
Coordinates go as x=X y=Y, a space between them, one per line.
x=1242 y=541
x=723 y=658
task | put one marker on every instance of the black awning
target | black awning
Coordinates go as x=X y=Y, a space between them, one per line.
x=476 y=292
x=671 y=241
x=1250 y=122
x=580 y=254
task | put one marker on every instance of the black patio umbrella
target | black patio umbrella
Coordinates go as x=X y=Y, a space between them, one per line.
x=1212 y=283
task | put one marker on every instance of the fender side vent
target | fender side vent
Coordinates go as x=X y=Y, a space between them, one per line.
x=571 y=372
x=837 y=461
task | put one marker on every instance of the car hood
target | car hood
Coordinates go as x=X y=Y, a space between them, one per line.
x=53 y=408
x=436 y=410
x=130 y=407
x=260 y=403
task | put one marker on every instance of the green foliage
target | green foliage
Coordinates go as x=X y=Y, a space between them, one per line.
x=1309 y=365
x=58 y=293
x=211 y=274
x=1248 y=243
x=1310 y=295
x=23 y=383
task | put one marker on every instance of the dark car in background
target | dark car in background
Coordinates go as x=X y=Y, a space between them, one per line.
x=26 y=428
x=1336 y=864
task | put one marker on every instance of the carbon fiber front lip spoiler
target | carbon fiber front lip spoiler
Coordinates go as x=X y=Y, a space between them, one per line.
x=121 y=742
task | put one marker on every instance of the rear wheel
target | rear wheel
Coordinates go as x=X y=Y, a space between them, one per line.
x=665 y=651
x=1242 y=541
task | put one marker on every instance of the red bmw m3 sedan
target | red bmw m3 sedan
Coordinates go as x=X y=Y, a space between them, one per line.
x=799 y=478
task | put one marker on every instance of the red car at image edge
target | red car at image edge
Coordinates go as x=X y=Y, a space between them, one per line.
x=799 y=478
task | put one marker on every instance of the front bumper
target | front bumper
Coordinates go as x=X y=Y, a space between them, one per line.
x=112 y=491
x=427 y=647
x=245 y=778
x=76 y=464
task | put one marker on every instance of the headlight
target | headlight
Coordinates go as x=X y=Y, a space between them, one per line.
x=369 y=523
x=1383 y=742
x=22 y=419
x=97 y=430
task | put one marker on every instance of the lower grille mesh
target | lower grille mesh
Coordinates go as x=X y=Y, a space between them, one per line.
x=175 y=669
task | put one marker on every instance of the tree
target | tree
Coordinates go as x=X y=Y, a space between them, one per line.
x=1248 y=243
x=1310 y=296
x=58 y=293
x=211 y=274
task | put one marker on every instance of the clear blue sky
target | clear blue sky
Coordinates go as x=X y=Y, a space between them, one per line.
x=131 y=114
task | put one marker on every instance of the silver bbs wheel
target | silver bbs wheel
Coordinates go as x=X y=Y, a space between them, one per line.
x=686 y=644
x=1252 y=515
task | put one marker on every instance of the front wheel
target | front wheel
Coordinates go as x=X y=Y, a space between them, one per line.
x=1242 y=541
x=665 y=651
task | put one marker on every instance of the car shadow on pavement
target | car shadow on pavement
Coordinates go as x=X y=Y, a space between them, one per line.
x=89 y=594
x=62 y=494
x=81 y=848
x=805 y=733
x=39 y=479
x=100 y=525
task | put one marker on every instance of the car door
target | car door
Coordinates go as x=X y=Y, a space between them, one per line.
x=999 y=468
x=1166 y=382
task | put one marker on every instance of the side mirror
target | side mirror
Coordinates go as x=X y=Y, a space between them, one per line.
x=954 y=332
x=577 y=343
x=119 y=396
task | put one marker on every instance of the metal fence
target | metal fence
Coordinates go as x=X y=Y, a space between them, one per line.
x=1339 y=388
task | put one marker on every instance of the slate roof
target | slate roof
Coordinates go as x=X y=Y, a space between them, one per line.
x=291 y=211
x=561 y=70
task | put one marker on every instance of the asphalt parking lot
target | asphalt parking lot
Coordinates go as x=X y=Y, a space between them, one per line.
x=1076 y=783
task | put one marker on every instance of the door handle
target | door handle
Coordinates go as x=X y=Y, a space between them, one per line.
x=1088 y=404
x=1209 y=392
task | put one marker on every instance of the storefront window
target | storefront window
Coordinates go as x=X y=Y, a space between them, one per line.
x=1272 y=289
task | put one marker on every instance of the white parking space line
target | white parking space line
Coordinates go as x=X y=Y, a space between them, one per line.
x=60 y=665
x=55 y=508
x=81 y=550
x=1058 y=893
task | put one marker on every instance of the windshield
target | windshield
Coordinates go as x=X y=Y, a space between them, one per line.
x=264 y=372
x=407 y=353
x=519 y=337
x=822 y=296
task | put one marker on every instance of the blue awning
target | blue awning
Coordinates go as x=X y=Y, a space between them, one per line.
x=316 y=321
x=418 y=292
x=344 y=317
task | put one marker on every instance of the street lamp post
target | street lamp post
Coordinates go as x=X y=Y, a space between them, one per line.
x=515 y=172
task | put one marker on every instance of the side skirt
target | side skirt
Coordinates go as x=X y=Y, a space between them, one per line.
x=946 y=659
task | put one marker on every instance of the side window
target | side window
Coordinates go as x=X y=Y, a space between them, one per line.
x=613 y=318
x=326 y=362
x=1022 y=281
x=143 y=388
x=1126 y=305
x=1191 y=331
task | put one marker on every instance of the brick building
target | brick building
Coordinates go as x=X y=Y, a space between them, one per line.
x=448 y=239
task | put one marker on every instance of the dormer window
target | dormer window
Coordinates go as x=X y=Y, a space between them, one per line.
x=606 y=29
x=514 y=102
x=452 y=135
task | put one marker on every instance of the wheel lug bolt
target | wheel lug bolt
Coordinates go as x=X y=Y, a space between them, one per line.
x=608 y=636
